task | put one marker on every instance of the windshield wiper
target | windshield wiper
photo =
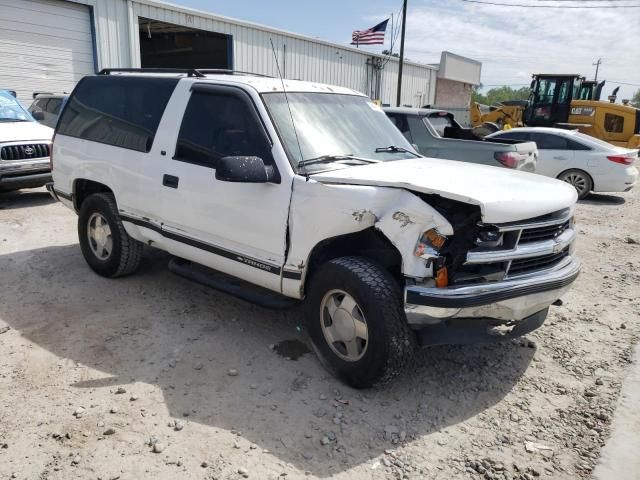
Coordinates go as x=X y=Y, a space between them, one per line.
x=334 y=158
x=395 y=149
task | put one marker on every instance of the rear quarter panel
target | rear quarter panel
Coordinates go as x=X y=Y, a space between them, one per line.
x=74 y=158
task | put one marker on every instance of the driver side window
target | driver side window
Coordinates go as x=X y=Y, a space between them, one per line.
x=217 y=125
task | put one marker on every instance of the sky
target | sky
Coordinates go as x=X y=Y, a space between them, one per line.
x=511 y=42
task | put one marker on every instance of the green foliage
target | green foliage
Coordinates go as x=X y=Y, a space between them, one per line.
x=499 y=94
x=635 y=100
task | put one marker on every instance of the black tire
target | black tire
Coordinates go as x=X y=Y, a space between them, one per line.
x=579 y=179
x=126 y=252
x=390 y=344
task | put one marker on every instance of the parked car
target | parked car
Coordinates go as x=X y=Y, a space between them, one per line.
x=587 y=163
x=24 y=147
x=46 y=108
x=313 y=195
x=437 y=134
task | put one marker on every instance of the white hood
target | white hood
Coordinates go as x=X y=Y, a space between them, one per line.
x=24 y=131
x=503 y=195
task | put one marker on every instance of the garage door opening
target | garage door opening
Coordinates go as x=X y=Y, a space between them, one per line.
x=166 y=45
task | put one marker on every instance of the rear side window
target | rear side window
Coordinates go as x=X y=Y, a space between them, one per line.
x=217 y=125
x=545 y=141
x=522 y=136
x=573 y=145
x=440 y=121
x=117 y=110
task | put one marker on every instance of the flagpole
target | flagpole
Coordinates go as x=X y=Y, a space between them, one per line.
x=391 y=41
x=400 y=65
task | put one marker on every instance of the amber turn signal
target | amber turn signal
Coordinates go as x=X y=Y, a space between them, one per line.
x=442 y=278
x=429 y=240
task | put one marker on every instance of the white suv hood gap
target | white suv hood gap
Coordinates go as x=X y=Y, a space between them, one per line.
x=503 y=195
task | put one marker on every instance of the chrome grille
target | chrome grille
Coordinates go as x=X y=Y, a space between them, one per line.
x=523 y=248
x=543 y=233
x=24 y=152
x=528 y=265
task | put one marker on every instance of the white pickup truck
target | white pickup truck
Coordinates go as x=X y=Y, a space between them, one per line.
x=308 y=191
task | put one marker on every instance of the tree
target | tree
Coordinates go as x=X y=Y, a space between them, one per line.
x=388 y=52
x=499 y=94
x=635 y=100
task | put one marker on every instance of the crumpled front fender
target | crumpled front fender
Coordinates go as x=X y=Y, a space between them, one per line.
x=403 y=224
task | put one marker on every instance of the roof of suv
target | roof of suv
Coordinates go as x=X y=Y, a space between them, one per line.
x=260 y=83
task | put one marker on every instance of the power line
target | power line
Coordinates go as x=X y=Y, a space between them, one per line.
x=483 y=2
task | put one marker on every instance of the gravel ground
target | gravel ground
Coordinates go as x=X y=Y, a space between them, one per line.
x=151 y=376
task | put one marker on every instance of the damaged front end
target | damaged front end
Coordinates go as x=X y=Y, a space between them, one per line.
x=489 y=281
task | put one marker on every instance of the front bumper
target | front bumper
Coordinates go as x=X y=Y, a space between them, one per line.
x=503 y=303
x=24 y=174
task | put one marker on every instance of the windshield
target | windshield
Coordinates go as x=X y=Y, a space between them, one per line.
x=330 y=125
x=11 y=110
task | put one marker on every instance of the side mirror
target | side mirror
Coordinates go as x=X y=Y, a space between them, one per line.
x=38 y=115
x=246 y=170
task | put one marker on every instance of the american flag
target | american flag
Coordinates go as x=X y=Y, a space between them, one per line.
x=370 y=36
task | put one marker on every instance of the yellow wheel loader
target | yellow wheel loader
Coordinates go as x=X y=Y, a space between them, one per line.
x=567 y=101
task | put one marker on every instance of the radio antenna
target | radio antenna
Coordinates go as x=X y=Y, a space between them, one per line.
x=286 y=98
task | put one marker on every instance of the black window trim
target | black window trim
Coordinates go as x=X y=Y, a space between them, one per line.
x=229 y=90
x=508 y=135
x=68 y=102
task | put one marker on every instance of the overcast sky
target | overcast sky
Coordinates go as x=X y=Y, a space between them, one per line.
x=512 y=43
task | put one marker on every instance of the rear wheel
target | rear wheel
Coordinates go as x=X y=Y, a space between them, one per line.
x=354 y=316
x=580 y=180
x=105 y=244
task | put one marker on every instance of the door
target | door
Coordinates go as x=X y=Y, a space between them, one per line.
x=554 y=153
x=238 y=228
x=46 y=46
x=551 y=102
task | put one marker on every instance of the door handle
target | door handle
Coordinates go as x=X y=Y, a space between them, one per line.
x=559 y=158
x=170 y=181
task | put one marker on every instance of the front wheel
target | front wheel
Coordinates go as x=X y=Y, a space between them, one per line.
x=355 y=318
x=105 y=244
x=580 y=180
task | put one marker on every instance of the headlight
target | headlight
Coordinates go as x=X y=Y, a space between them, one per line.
x=489 y=237
x=429 y=244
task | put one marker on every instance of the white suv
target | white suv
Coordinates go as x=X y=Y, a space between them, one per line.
x=308 y=191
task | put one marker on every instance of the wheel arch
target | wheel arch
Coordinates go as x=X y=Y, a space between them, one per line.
x=593 y=183
x=368 y=243
x=82 y=188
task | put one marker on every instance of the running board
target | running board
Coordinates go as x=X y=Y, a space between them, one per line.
x=233 y=286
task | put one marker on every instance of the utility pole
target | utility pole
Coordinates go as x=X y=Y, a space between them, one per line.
x=400 y=65
x=597 y=64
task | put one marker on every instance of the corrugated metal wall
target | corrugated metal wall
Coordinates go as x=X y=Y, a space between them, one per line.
x=301 y=58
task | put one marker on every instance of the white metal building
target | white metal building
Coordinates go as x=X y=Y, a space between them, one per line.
x=48 y=45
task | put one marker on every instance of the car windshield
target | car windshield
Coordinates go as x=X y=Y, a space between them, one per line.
x=330 y=128
x=11 y=110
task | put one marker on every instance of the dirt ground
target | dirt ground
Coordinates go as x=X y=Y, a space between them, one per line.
x=152 y=376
